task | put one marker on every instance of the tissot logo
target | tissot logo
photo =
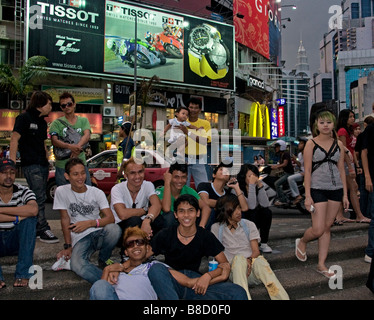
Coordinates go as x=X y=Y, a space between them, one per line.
x=66 y=44
x=68 y=12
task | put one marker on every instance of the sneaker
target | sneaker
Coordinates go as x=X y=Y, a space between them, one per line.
x=61 y=264
x=367 y=259
x=48 y=237
x=265 y=248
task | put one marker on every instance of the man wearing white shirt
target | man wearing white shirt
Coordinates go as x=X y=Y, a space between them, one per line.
x=134 y=201
x=85 y=230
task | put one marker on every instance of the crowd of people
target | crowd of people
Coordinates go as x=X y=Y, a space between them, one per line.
x=227 y=219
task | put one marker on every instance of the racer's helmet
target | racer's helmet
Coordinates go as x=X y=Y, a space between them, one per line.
x=111 y=44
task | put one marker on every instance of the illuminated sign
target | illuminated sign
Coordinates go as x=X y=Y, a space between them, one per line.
x=259 y=122
x=281 y=125
x=274 y=123
x=281 y=102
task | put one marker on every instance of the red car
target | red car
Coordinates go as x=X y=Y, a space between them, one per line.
x=104 y=169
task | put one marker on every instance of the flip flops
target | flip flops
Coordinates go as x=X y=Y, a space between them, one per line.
x=2 y=284
x=327 y=273
x=298 y=251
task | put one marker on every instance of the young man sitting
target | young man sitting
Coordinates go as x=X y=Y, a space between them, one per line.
x=184 y=246
x=18 y=211
x=174 y=186
x=84 y=230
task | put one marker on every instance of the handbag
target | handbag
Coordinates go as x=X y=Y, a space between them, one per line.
x=72 y=137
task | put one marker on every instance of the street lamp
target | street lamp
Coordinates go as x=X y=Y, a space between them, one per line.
x=287 y=5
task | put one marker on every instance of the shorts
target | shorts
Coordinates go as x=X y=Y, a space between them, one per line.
x=319 y=195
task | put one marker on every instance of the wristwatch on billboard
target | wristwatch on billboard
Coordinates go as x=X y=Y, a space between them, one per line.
x=208 y=55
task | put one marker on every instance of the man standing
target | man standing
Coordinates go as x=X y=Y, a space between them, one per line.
x=18 y=210
x=196 y=150
x=29 y=135
x=58 y=129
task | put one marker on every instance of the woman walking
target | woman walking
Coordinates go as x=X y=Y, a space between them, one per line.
x=325 y=187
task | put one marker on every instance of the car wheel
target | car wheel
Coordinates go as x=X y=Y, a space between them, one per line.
x=51 y=189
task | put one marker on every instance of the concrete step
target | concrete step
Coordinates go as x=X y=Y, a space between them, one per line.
x=300 y=280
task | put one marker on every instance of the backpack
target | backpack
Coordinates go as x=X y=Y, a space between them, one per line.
x=72 y=137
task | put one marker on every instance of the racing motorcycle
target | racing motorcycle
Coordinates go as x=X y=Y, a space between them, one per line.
x=268 y=181
x=166 y=43
x=128 y=50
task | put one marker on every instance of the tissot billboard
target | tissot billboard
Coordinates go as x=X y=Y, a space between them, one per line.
x=98 y=37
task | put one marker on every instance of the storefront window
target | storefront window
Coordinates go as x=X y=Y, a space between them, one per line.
x=212 y=118
x=126 y=112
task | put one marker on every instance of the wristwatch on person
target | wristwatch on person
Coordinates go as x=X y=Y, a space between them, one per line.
x=208 y=55
x=67 y=245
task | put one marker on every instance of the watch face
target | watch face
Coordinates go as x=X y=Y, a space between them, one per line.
x=218 y=55
x=200 y=38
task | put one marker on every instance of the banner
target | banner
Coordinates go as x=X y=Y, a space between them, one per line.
x=259 y=29
x=98 y=38
x=281 y=125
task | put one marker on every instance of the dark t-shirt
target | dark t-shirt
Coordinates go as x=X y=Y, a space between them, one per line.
x=33 y=131
x=208 y=188
x=366 y=144
x=180 y=256
x=289 y=167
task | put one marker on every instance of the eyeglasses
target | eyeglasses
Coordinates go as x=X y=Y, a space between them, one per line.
x=137 y=242
x=69 y=104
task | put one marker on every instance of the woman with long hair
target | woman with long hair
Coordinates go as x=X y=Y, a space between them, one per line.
x=346 y=121
x=325 y=187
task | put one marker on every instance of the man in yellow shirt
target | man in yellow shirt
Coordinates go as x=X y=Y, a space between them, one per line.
x=196 y=150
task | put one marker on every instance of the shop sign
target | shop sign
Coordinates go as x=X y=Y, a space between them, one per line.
x=274 y=123
x=281 y=125
x=259 y=122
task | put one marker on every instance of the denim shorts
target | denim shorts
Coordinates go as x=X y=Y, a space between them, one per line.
x=319 y=195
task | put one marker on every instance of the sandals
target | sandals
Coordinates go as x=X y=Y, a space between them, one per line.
x=297 y=200
x=2 y=284
x=298 y=251
x=364 y=220
x=327 y=273
x=21 y=283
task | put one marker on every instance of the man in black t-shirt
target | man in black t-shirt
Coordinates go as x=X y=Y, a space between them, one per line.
x=183 y=247
x=28 y=136
x=367 y=158
x=285 y=163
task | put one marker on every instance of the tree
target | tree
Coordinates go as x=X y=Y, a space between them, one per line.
x=19 y=81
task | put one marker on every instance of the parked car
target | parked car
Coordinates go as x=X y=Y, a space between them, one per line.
x=104 y=169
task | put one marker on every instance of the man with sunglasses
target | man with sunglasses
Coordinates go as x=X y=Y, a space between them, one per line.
x=58 y=129
x=129 y=280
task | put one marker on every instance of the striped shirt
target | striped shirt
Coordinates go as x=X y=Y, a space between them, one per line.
x=21 y=195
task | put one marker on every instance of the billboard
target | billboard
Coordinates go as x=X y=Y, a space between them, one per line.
x=259 y=29
x=98 y=38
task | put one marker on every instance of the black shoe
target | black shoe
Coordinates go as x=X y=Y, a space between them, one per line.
x=47 y=236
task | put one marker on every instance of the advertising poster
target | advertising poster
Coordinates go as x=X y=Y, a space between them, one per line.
x=259 y=29
x=111 y=38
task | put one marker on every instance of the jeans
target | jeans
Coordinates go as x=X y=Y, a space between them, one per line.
x=370 y=247
x=60 y=178
x=364 y=196
x=167 y=288
x=104 y=240
x=292 y=182
x=19 y=241
x=169 y=219
x=278 y=187
x=103 y=290
x=197 y=171
x=37 y=177
x=261 y=273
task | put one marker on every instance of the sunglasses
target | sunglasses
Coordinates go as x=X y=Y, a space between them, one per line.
x=69 y=104
x=137 y=242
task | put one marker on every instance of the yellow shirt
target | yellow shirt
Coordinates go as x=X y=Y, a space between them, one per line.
x=205 y=136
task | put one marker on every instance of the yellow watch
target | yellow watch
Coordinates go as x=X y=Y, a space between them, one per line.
x=208 y=55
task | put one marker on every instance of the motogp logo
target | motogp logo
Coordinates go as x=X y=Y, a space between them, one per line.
x=65 y=47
